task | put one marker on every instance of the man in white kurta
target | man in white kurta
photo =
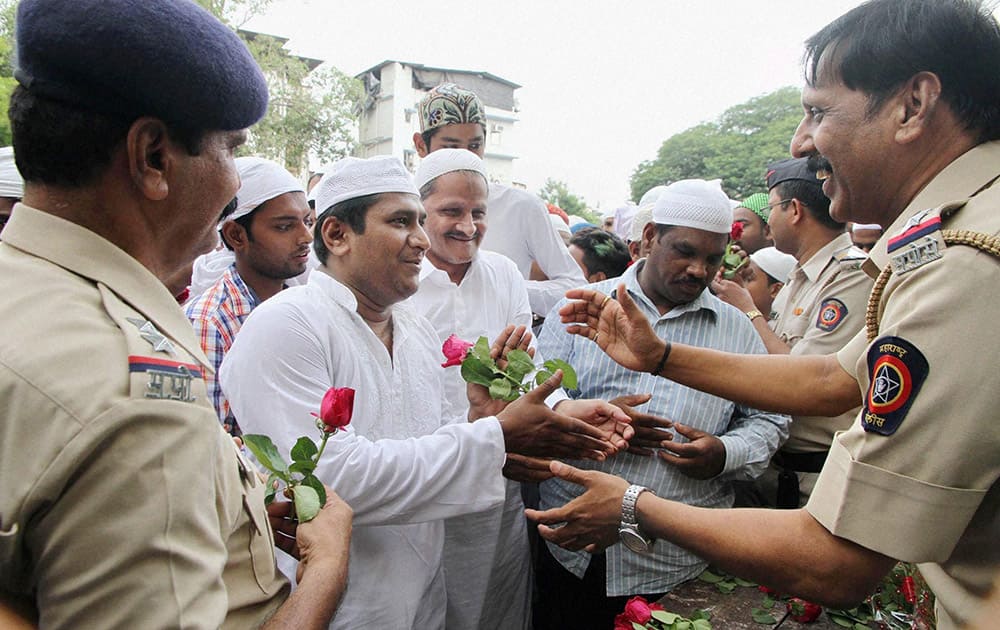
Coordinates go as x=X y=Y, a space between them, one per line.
x=399 y=465
x=486 y=555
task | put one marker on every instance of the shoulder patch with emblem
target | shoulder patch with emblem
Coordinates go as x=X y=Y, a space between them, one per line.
x=919 y=243
x=897 y=370
x=831 y=313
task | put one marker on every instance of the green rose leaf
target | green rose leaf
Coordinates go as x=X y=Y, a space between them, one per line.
x=313 y=482
x=266 y=453
x=306 y=503
x=664 y=616
x=701 y=624
x=742 y=582
x=475 y=371
x=302 y=467
x=842 y=621
x=304 y=450
x=519 y=364
x=860 y=626
x=569 y=374
x=500 y=389
x=711 y=578
x=763 y=617
x=682 y=624
x=541 y=376
x=636 y=626
x=271 y=489
x=701 y=614
x=726 y=586
x=768 y=602
x=481 y=351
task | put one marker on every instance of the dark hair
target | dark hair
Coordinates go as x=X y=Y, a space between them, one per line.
x=350 y=211
x=62 y=145
x=430 y=133
x=811 y=196
x=881 y=44
x=602 y=251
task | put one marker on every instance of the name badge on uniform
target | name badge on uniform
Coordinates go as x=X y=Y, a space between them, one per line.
x=897 y=370
x=168 y=380
x=919 y=243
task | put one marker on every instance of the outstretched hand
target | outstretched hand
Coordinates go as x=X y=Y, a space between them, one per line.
x=531 y=428
x=325 y=537
x=616 y=325
x=600 y=414
x=649 y=429
x=703 y=456
x=590 y=521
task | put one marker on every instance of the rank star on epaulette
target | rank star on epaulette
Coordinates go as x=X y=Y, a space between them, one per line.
x=155 y=338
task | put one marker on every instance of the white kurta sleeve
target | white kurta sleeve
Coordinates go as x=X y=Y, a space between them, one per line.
x=276 y=374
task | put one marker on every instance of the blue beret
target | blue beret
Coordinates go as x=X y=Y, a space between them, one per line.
x=126 y=58
x=580 y=226
x=789 y=169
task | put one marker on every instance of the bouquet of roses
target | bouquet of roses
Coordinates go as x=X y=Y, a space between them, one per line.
x=507 y=383
x=301 y=485
x=732 y=261
x=642 y=615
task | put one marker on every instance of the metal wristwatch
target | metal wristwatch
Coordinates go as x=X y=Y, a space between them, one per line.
x=629 y=532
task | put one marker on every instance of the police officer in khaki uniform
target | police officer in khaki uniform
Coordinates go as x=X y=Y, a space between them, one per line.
x=819 y=310
x=123 y=504
x=908 y=125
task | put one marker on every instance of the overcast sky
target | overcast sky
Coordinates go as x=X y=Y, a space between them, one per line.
x=604 y=83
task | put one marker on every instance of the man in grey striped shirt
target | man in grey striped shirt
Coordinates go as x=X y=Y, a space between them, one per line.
x=713 y=441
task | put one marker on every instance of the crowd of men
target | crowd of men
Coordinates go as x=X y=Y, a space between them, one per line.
x=805 y=421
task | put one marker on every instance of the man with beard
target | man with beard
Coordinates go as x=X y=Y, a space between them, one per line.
x=908 y=124
x=715 y=442
x=403 y=464
x=269 y=235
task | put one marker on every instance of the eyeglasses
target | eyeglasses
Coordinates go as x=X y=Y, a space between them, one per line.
x=772 y=206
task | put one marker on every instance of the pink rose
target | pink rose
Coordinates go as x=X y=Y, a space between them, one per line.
x=454 y=350
x=622 y=622
x=336 y=408
x=638 y=610
x=736 y=231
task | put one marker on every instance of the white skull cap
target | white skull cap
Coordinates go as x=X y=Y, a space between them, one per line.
x=261 y=180
x=774 y=263
x=351 y=177
x=445 y=161
x=695 y=203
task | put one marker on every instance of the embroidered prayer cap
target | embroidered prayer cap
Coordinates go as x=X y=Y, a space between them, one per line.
x=652 y=195
x=11 y=184
x=449 y=104
x=442 y=161
x=261 y=180
x=351 y=177
x=695 y=203
x=774 y=263
x=757 y=203
x=642 y=218
x=791 y=169
x=170 y=59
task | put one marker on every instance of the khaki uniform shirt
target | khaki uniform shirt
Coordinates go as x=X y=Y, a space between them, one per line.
x=915 y=477
x=123 y=504
x=819 y=310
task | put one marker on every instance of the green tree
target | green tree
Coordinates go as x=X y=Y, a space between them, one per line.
x=557 y=193
x=735 y=148
x=311 y=113
x=7 y=81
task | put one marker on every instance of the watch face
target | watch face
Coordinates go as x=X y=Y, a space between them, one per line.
x=635 y=541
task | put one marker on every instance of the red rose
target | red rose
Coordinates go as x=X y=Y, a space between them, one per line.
x=803 y=611
x=637 y=609
x=336 y=409
x=454 y=350
x=736 y=231
x=767 y=590
x=622 y=622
